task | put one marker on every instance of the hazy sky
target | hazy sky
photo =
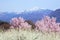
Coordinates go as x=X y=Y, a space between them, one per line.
x=19 y=5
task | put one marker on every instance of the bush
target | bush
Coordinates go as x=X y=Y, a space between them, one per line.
x=31 y=23
x=4 y=25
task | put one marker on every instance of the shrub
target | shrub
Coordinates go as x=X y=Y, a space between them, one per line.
x=4 y=25
x=31 y=23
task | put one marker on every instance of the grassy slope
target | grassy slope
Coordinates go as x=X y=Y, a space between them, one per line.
x=27 y=35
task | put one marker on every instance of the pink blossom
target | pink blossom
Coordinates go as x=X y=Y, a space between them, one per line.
x=20 y=23
x=48 y=24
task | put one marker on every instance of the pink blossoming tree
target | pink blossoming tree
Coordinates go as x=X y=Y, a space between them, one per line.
x=48 y=25
x=19 y=23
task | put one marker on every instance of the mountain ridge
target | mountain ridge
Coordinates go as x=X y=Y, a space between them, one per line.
x=29 y=15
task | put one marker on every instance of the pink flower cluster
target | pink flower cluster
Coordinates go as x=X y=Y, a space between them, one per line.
x=19 y=23
x=48 y=25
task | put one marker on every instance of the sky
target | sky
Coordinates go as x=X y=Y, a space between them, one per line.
x=21 y=5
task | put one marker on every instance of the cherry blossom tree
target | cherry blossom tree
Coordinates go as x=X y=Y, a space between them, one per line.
x=19 y=23
x=48 y=24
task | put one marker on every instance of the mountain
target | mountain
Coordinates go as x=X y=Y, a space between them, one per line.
x=5 y=16
x=56 y=14
x=35 y=15
x=31 y=15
